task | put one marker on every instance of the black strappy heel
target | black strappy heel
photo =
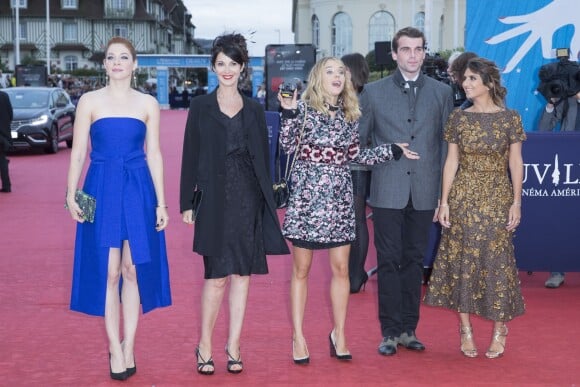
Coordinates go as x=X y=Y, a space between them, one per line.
x=233 y=362
x=202 y=364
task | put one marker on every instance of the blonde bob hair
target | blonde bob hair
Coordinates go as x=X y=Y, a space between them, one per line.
x=316 y=96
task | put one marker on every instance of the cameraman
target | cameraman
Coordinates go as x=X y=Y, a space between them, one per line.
x=565 y=112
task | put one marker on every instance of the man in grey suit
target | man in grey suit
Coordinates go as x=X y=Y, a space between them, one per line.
x=407 y=107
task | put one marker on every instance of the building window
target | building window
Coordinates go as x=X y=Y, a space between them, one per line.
x=121 y=30
x=381 y=28
x=419 y=21
x=341 y=34
x=315 y=31
x=69 y=32
x=69 y=4
x=119 y=4
x=23 y=30
x=71 y=62
x=19 y=3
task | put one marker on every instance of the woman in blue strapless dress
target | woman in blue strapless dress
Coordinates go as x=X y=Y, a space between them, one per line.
x=121 y=256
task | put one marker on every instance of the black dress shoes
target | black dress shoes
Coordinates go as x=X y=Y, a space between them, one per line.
x=117 y=375
x=388 y=346
x=6 y=189
x=410 y=341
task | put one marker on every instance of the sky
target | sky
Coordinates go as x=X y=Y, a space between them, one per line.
x=270 y=19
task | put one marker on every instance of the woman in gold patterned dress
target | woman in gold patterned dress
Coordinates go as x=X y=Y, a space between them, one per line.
x=475 y=270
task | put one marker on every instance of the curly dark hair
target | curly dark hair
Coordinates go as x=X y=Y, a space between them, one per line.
x=459 y=65
x=233 y=46
x=490 y=76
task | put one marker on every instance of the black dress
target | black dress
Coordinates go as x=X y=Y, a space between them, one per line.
x=243 y=252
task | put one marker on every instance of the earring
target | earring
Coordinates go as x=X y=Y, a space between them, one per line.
x=106 y=79
x=134 y=80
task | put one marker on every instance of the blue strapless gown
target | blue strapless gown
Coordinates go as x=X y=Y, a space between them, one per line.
x=121 y=182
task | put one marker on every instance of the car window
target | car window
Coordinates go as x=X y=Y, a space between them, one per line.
x=53 y=99
x=28 y=99
x=62 y=99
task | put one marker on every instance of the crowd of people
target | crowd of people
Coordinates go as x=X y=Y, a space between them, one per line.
x=405 y=144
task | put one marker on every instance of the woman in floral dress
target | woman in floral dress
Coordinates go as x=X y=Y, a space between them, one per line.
x=475 y=270
x=322 y=131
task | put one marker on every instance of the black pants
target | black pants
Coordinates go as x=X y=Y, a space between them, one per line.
x=359 y=247
x=401 y=238
x=4 y=168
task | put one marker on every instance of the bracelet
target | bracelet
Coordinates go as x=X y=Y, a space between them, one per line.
x=519 y=204
x=161 y=206
x=444 y=205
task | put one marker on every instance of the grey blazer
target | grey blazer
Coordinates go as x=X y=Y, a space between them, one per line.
x=548 y=121
x=388 y=117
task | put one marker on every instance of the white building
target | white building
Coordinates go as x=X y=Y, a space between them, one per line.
x=80 y=29
x=345 y=26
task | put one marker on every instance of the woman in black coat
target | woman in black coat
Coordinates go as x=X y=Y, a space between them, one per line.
x=225 y=155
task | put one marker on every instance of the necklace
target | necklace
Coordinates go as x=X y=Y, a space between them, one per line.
x=332 y=108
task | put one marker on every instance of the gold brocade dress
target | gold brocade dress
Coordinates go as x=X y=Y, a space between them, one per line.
x=475 y=269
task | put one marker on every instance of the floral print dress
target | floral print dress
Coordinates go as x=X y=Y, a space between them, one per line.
x=320 y=209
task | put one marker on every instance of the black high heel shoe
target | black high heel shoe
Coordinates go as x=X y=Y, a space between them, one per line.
x=333 y=353
x=202 y=364
x=300 y=360
x=357 y=284
x=133 y=370
x=117 y=375
x=234 y=362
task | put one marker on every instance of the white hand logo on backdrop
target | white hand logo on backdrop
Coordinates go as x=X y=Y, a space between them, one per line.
x=541 y=24
x=556 y=173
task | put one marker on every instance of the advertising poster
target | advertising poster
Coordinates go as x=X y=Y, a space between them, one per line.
x=287 y=63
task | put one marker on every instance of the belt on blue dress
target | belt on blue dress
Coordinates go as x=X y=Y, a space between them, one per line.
x=116 y=169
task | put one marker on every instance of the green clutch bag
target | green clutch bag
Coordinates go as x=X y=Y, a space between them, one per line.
x=87 y=203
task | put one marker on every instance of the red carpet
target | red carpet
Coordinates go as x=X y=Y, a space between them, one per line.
x=42 y=343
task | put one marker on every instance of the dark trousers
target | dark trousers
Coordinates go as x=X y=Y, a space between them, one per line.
x=4 y=168
x=401 y=238
x=359 y=247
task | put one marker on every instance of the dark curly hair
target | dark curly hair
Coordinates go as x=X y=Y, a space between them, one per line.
x=459 y=65
x=233 y=46
x=490 y=77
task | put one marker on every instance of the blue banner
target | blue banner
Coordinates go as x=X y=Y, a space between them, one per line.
x=520 y=36
x=548 y=239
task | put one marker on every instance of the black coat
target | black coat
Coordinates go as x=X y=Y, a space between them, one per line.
x=203 y=165
x=5 y=120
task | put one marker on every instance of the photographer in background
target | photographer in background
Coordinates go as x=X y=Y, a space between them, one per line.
x=566 y=112
x=561 y=112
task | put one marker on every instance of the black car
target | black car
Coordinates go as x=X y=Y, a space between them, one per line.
x=43 y=117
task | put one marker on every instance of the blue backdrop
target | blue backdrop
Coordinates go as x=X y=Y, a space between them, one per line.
x=520 y=37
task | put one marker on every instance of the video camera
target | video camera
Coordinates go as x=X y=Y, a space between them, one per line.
x=287 y=88
x=435 y=66
x=560 y=79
